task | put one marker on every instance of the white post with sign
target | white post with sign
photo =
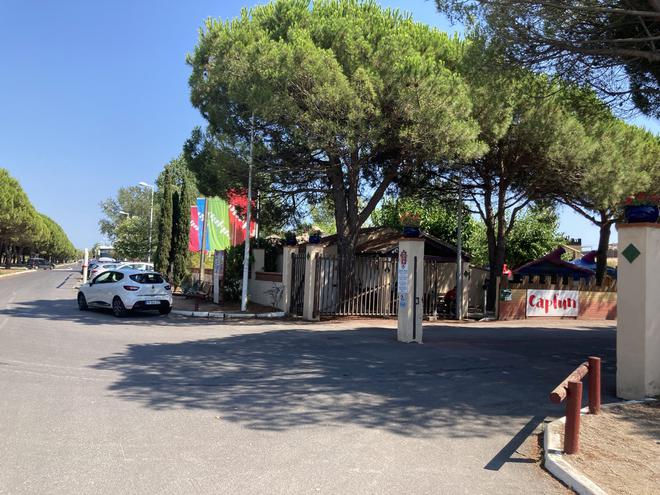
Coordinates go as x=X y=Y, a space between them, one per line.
x=410 y=290
x=218 y=274
x=85 y=266
x=638 y=311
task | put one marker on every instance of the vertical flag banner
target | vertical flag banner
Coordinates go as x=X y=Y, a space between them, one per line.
x=237 y=212
x=200 y=223
x=217 y=224
x=193 y=240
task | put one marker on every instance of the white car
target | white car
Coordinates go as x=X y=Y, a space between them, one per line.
x=96 y=269
x=136 y=265
x=126 y=290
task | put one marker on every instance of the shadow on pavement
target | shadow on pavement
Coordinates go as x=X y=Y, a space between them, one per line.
x=67 y=310
x=466 y=382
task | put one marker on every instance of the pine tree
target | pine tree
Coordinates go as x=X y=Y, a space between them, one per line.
x=180 y=233
x=164 y=246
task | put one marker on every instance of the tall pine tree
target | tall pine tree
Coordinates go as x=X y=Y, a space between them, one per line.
x=179 y=255
x=164 y=246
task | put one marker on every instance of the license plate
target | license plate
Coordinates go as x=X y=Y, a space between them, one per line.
x=152 y=302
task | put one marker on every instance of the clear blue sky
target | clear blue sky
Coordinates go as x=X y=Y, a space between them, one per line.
x=94 y=96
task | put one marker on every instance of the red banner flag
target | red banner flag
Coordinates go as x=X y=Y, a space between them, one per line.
x=237 y=213
x=193 y=242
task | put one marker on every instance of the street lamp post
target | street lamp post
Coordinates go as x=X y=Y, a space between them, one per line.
x=151 y=215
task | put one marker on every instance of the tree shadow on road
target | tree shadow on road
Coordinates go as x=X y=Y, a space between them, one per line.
x=67 y=310
x=466 y=382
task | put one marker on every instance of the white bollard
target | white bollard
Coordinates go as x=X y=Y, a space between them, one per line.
x=85 y=265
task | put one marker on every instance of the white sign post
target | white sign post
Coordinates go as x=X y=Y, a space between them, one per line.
x=552 y=303
x=410 y=288
x=402 y=281
x=85 y=266
x=218 y=273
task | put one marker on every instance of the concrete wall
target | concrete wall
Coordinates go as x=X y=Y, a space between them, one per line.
x=265 y=288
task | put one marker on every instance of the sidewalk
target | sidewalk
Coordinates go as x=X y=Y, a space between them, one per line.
x=183 y=304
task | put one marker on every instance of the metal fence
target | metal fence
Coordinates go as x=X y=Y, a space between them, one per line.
x=297 y=283
x=370 y=292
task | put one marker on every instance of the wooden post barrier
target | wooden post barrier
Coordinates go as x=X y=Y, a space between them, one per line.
x=571 y=388
x=594 y=385
x=572 y=430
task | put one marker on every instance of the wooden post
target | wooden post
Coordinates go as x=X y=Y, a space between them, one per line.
x=594 y=385
x=572 y=430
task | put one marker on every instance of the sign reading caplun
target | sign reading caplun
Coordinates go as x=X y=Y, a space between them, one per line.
x=552 y=302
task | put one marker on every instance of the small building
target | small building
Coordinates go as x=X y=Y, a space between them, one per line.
x=552 y=265
x=384 y=241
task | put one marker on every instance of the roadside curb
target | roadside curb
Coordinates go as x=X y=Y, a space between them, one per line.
x=555 y=459
x=17 y=272
x=226 y=315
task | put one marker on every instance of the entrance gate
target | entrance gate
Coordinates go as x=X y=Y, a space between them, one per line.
x=371 y=292
x=297 y=283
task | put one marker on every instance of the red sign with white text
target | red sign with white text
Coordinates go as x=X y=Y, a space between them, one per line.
x=552 y=302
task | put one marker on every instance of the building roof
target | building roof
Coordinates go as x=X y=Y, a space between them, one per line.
x=552 y=264
x=384 y=241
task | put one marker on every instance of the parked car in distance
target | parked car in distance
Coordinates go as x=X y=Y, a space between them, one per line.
x=126 y=290
x=36 y=263
x=97 y=269
x=137 y=265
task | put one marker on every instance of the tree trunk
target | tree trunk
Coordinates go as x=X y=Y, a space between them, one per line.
x=8 y=257
x=603 y=246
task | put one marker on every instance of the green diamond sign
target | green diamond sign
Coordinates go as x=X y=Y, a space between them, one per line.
x=630 y=253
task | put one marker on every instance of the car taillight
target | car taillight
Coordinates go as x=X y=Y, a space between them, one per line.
x=168 y=287
x=131 y=287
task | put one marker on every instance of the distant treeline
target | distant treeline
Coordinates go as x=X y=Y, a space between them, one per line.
x=25 y=232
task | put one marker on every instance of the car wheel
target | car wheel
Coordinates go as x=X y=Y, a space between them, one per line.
x=165 y=311
x=82 y=302
x=118 y=308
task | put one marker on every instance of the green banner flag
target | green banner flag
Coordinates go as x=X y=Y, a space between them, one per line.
x=218 y=224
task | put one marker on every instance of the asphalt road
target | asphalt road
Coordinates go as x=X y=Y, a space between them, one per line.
x=154 y=404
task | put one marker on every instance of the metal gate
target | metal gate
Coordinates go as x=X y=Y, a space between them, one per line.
x=297 y=283
x=371 y=292
x=437 y=280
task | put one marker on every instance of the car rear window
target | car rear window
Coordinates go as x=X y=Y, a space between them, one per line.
x=147 y=278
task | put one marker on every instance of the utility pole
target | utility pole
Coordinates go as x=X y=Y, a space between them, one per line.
x=246 y=254
x=459 y=251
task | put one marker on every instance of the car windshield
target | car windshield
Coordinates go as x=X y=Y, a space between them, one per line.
x=147 y=278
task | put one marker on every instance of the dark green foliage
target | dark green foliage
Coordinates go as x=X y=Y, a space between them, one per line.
x=347 y=98
x=180 y=256
x=165 y=223
x=438 y=217
x=534 y=234
x=177 y=191
x=233 y=272
x=607 y=44
x=134 y=200
x=24 y=231
x=130 y=241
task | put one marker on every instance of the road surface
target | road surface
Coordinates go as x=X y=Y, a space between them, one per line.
x=154 y=404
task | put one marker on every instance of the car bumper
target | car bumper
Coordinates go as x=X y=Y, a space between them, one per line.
x=165 y=302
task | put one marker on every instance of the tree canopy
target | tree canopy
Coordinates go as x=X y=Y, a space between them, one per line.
x=620 y=160
x=347 y=98
x=609 y=45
